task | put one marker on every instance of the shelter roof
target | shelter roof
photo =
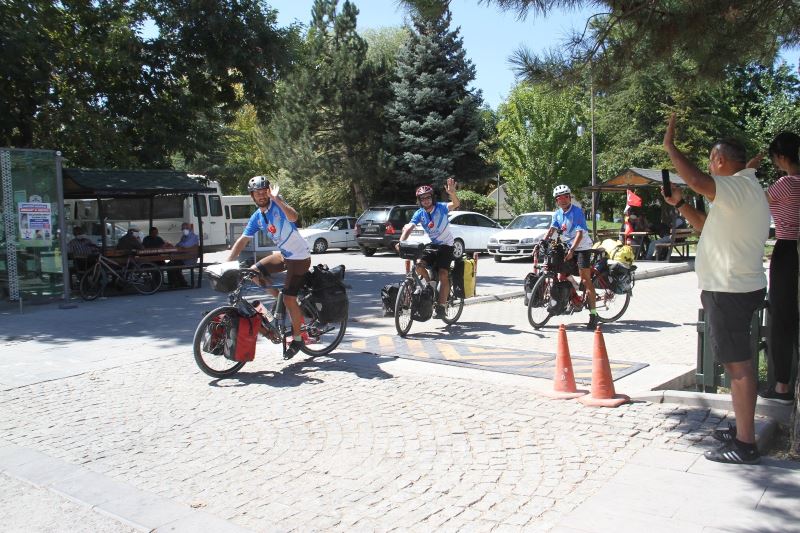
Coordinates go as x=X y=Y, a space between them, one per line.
x=93 y=183
x=635 y=177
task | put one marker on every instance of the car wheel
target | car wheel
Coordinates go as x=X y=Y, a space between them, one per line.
x=369 y=252
x=497 y=258
x=320 y=246
x=458 y=248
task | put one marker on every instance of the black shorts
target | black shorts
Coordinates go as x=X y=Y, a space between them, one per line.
x=440 y=258
x=581 y=259
x=728 y=316
x=296 y=270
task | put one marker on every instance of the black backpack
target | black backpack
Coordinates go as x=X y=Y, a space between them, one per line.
x=389 y=297
x=422 y=304
x=327 y=292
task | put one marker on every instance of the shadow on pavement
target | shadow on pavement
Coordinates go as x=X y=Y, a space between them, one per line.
x=302 y=371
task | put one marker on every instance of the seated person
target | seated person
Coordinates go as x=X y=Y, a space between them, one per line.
x=188 y=241
x=153 y=240
x=80 y=249
x=678 y=222
x=130 y=241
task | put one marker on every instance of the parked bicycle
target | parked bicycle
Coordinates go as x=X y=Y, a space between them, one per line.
x=214 y=344
x=415 y=300
x=145 y=278
x=554 y=292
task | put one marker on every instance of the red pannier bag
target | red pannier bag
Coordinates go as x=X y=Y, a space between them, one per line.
x=241 y=343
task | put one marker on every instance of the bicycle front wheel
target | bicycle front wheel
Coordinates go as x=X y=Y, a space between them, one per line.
x=454 y=307
x=92 y=283
x=209 y=343
x=402 y=308
x=610 y=305
x=323 y=337
x=538 y=315
x=145 y=278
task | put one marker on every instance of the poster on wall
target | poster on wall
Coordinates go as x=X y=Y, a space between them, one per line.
x=34 y=224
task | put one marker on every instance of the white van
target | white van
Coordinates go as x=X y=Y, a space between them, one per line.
x=169 y=212
x=238 y=210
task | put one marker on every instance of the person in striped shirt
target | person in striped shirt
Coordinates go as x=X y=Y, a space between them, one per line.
x=784 y=206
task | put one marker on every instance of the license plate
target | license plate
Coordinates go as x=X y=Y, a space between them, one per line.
x=417 y=232
x=508 y=248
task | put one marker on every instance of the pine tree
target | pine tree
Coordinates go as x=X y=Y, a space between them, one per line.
x=435 y=119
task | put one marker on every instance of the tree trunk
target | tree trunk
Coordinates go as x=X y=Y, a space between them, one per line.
x=360 y=197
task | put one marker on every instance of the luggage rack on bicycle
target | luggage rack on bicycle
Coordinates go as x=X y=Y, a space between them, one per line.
x=415 y=251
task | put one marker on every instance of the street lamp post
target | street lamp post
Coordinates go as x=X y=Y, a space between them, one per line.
x=580 y=132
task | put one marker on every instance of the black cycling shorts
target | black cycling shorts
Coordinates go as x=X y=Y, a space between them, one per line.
x=581 y=259
x=440 y=258
x=296 y=270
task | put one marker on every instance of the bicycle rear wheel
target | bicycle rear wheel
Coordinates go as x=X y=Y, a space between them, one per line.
x=92 y=283
x=209 y=343
x=538 y=315
x=323 y=337
x=610 y=305
x=454 y=307
x=145 y=278
x=402 y=308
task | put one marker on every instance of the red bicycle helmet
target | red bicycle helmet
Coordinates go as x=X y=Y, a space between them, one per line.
x=424 y=189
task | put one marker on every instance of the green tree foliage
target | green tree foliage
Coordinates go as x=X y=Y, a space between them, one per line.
x=538 y=147
x=435 y=122
x=80 y=77
x=327 y=132
x=473 y=201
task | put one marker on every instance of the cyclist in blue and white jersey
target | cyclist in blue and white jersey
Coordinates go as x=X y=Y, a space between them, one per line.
x=276 y=219
x=434 y=220
x=571 y=222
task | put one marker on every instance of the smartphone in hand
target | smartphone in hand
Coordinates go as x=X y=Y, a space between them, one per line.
x=666 y=183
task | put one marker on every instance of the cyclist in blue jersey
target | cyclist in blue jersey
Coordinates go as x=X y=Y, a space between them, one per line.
x=276 y=219
x=569 y=220
x=434 y=220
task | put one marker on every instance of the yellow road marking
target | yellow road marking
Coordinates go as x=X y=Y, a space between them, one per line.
x=361 y=345
x=448 y=351
x=385 y=341
x=417 y=348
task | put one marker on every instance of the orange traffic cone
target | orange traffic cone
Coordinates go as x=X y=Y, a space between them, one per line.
x=603 y=393
x=564 y=378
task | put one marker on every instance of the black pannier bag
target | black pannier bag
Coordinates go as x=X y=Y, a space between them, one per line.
x=457 y=277
x=422 y=304
x=327 y=292
x=559 y=297
x=389 y=297
x=530 y=281
x=621 y=278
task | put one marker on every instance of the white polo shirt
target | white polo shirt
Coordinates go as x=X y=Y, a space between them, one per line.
x=731 y=247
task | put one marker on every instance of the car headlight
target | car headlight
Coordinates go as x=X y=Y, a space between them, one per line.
x=492 y=240
x=528 y=240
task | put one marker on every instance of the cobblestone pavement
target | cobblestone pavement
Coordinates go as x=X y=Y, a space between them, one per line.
x=352 y=443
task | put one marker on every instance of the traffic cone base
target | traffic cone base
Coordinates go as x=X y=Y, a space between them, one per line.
x=563 y=378
x=603 y=393
x=616 y=401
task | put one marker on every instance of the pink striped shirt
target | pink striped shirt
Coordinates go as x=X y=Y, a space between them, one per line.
x=784 y=206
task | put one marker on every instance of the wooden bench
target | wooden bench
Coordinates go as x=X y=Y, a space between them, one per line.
x=160 y=255
x=680 y=240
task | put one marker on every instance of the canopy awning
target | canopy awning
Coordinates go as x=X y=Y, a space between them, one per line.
x=631 y=178
x=97 y=183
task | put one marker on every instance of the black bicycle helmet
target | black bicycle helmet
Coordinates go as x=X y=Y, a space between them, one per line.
x=257 y=183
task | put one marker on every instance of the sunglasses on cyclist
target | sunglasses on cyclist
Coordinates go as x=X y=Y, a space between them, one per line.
x=426 y=197
x=566 y=195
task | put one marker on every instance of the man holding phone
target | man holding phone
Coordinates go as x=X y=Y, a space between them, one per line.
x=730 y=273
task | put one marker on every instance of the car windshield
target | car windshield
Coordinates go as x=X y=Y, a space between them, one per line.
x=530 y=222
x=325 y=223
x=375 y=215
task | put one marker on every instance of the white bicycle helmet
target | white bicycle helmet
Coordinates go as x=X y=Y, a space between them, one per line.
x=257 y=183
x=561 y=189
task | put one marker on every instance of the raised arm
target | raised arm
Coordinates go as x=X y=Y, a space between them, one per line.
x=696 y=179
x=450 y=188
